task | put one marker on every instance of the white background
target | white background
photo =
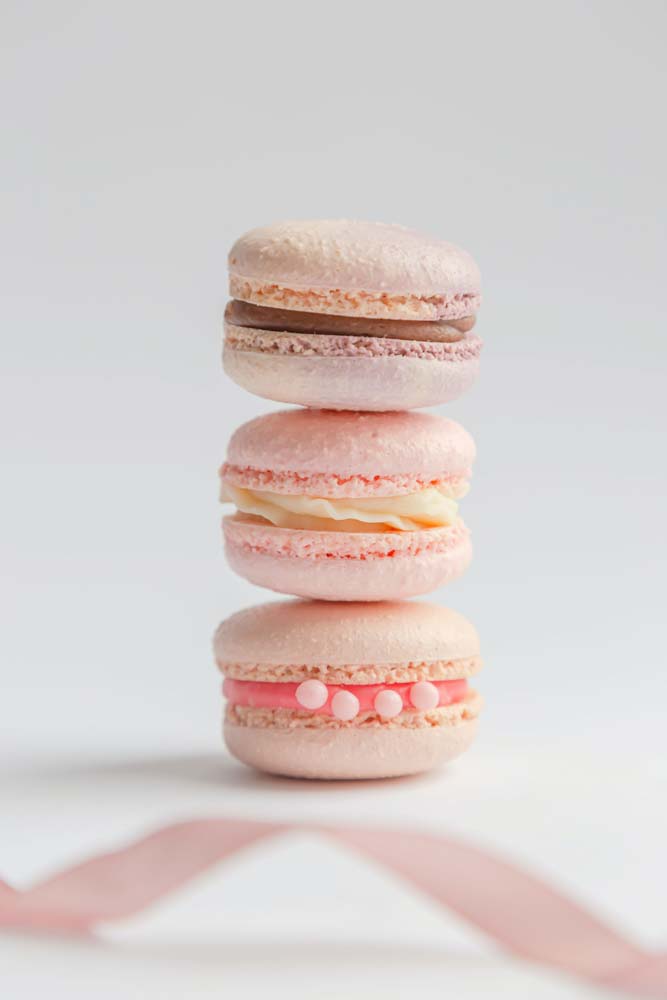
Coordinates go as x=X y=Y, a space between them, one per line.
x=138 y=140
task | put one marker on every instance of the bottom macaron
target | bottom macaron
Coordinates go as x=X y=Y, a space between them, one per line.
x=354 y=690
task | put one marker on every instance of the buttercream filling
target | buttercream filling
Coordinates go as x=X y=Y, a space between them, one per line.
x=290 y=321
x=430 y=508
x=345 y=701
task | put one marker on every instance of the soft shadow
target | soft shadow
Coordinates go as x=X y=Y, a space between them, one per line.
x=285 y=955
x=239 y=955
x=192 y=769
x=207 y=770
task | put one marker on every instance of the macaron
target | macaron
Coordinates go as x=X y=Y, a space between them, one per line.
x=345 y=506
x=351 y=315
x=324 y=690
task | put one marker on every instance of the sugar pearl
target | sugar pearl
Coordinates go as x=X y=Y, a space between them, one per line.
x=388 y=703
x=312 y=694
x=345 y=705
x=424 y=696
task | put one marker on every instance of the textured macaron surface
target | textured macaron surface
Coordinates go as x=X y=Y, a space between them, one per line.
x=354 y=268
x=375 y=256
x=350 y=372
x=325 y=690
x=341 y=453
x=350 y=346
x=361 y=751
x=315 y=633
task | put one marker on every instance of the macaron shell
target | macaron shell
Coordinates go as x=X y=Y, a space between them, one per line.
x=333 y=566
x=405 y=636
x=346 y=444
x=355 y=381
x=354 y=268
x=348 y=753
x=315 y=633
x=407 y=671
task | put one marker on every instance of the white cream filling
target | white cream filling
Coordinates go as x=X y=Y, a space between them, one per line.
x=429 y=508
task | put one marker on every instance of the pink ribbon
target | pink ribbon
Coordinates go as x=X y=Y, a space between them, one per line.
x=522 y=914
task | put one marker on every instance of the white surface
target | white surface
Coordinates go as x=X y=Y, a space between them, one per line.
x=284 y=973
x=138 y=141
x=316 y=910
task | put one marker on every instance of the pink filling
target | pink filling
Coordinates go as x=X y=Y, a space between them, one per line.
x=263 y=694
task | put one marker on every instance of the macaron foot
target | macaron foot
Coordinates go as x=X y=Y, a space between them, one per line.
x=348 y=754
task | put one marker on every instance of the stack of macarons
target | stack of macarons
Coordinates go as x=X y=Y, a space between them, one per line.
x=350 y=502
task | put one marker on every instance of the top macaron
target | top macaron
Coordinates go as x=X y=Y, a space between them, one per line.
x=351 y=315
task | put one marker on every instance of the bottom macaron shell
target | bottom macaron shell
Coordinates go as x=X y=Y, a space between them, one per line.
x=333 y=566
x=352 y=383
x=354 y=753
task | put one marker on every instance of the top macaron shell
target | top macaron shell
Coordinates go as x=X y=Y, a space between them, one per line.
x=354 y=268
x=398 y=448
x=315 y=633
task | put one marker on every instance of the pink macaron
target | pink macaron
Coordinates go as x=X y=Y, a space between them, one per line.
x=351 y=316
x=347 y=506
x=323 y=690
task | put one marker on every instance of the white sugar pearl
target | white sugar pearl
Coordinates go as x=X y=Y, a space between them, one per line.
x=312 y=694
x=424 y=696
x=345 y=705
x=388 y=703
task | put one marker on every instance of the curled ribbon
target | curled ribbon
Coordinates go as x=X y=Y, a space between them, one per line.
x=521 y=913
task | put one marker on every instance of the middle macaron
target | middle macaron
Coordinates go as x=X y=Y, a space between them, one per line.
x=345 y=506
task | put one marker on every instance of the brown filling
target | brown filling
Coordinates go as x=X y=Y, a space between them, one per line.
x=291 y=321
